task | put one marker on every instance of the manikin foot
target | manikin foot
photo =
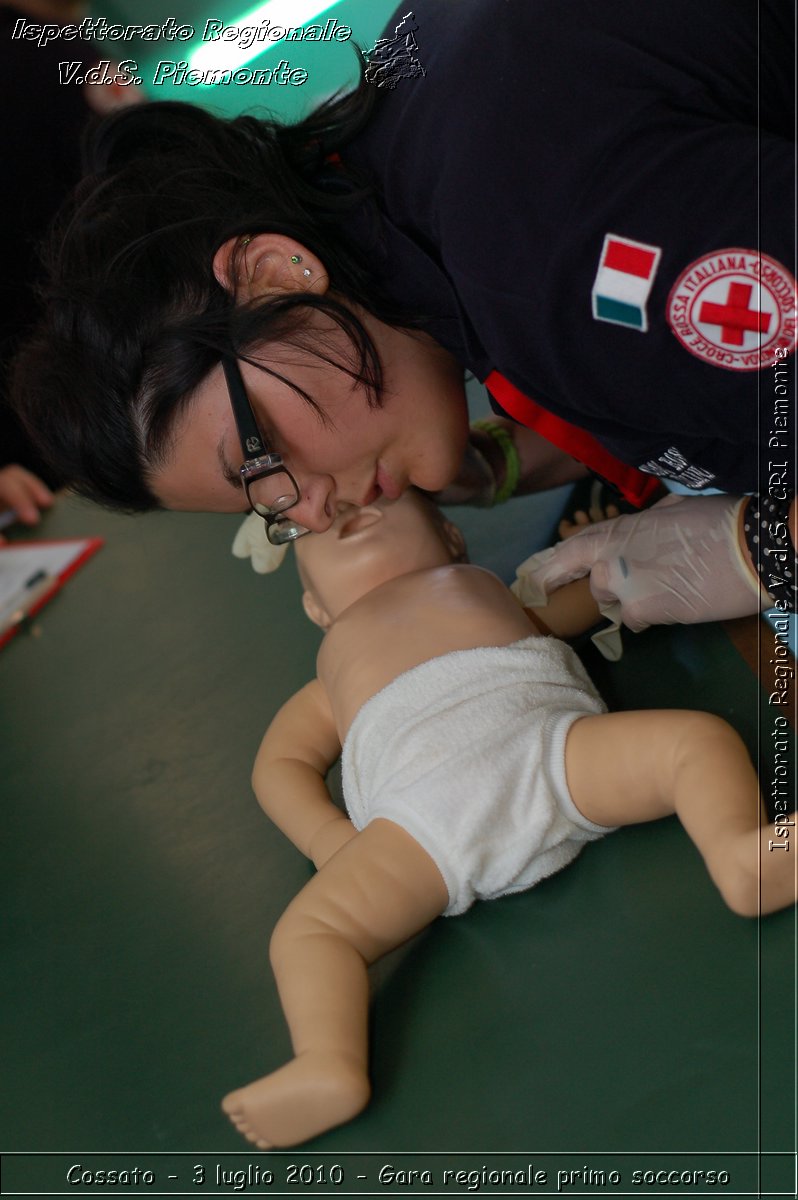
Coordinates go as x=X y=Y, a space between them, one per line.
x=307 y=1096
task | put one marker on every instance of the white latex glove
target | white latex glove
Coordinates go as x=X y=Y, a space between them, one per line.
x=251 y=542
x=678 y=562
x=530 y=591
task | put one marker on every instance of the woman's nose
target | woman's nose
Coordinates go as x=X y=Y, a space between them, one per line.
x=316 y=507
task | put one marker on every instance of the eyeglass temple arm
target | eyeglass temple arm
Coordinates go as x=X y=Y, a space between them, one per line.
x=251 y=441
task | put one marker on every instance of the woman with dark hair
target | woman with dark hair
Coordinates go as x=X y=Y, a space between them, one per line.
x=194 y=240
x=588 y=206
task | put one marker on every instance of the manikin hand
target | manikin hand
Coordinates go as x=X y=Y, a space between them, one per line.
x=679 y=562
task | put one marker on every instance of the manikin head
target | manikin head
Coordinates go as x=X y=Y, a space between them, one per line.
x=366 y=547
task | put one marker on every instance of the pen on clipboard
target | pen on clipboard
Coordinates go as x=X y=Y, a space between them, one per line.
x=25 y=600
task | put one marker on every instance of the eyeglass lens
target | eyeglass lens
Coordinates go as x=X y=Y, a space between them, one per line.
x=284 y=530
x=272 y=494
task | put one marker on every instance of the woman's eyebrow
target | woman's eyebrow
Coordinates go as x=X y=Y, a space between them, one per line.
x=230 y=473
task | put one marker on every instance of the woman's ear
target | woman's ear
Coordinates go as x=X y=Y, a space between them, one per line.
x=252 y=266
x=314 y=610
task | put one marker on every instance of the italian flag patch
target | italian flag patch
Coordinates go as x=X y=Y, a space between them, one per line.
x=623 y=282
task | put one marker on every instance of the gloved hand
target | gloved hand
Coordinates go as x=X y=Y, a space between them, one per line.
x=679 y=562
x=251 y=542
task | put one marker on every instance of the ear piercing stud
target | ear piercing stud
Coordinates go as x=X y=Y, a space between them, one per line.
x=297 y=258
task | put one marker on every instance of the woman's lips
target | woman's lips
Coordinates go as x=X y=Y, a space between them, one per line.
x=372 y=495
x=390 y=489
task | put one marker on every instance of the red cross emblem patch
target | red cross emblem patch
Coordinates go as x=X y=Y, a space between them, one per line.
x=734 y=309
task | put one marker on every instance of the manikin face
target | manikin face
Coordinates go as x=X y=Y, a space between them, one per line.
x=351 y=454
x=365 y=547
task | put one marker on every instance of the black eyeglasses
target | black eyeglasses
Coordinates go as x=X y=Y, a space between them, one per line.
x=269 y=486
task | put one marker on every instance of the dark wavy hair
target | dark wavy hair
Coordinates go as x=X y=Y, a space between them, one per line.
x=134 y=317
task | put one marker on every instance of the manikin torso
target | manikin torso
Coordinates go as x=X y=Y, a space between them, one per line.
x=407 y=621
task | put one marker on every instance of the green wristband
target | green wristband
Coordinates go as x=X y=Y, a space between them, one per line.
x=512 y=462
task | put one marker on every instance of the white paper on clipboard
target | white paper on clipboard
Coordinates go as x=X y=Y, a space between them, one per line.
x=24 y=563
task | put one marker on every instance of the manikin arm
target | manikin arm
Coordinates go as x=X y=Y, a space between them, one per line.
x=571 y=610
x=299 y=747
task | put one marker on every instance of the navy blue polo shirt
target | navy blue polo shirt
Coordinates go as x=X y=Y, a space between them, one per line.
x=592 y=202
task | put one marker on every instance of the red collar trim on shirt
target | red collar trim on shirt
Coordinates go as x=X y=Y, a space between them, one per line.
x=637 y=487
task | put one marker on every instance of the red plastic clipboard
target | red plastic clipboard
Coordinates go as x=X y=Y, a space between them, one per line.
x=56 y=560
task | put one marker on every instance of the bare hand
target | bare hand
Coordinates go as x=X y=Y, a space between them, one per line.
x=24 y=492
